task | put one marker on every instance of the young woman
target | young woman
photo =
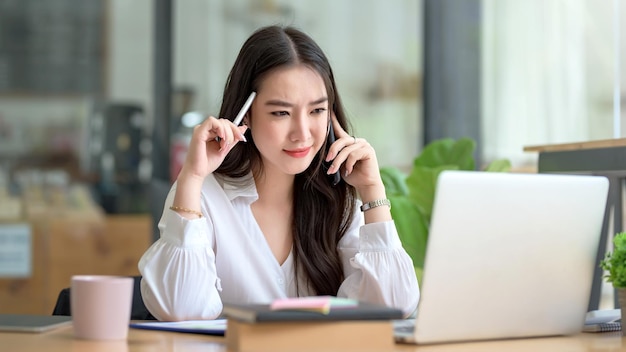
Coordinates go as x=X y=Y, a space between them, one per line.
x=254 y=215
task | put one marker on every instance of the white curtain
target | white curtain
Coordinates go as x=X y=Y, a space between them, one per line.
x=534 y=89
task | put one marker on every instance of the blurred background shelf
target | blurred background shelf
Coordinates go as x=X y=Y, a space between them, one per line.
x=70 y=243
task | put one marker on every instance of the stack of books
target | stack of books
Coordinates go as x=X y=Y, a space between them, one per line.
x=315 y=323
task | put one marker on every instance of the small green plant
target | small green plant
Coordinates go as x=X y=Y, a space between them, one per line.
x=615 y=262
x=412 y=195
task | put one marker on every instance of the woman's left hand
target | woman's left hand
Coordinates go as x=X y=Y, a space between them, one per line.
x=355 y=158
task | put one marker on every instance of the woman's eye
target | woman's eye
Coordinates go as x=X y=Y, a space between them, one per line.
x=319 y=111
x=280 y=113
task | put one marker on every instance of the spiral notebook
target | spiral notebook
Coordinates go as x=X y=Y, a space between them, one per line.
x=604 y=327
x=605 y=320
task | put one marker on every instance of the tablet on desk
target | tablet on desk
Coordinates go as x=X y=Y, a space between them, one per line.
x=32 y=323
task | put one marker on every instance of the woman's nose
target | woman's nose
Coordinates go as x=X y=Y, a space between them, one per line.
x=300 y=127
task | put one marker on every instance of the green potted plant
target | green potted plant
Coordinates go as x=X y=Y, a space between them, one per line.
x=412 y=195
x=615 y=264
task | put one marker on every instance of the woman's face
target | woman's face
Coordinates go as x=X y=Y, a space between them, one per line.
x=289 y=119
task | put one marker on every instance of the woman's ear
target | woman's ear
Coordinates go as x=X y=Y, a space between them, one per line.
x=246 y=119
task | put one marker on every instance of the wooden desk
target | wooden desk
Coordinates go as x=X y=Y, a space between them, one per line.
x=601 y=157
x=61 y=340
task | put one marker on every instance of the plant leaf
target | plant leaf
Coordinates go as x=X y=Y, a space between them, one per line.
x=434 y=153
x=615 y=262
x=412 y=228
x=422 y=183
x=394 y=181
x=419 y=273
x=447 y=151
x=500 y=165
x=462 y=154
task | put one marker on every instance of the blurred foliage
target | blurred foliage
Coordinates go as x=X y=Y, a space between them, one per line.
x=615 y=262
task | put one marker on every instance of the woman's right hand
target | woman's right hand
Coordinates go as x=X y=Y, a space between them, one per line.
x=205 y=154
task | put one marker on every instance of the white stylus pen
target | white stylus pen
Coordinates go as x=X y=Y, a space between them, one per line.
x=244 y=109
x=242 y=112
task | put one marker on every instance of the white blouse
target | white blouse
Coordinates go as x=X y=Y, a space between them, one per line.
x=223 y=257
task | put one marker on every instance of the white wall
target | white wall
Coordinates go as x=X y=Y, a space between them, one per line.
x=548 y=74
x=600 y=66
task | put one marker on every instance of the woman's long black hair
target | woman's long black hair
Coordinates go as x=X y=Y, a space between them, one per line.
x=321 y=212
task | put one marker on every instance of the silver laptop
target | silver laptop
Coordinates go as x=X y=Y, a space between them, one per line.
x=509 y=255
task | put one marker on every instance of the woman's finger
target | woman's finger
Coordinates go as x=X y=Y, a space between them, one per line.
x=358 y=155
x=346 y=147
x=339 y=131
x=226 y=133
x=210 y=129
x=339 y=145
x=228 y=139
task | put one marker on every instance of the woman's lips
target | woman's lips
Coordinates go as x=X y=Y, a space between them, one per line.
x=298 y=153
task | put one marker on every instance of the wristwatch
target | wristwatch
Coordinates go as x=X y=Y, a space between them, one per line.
x=375 y=203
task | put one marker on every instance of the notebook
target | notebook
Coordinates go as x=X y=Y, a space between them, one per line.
x=32 y=323
x=605 y=320
x=508 y=256
x=262 y=313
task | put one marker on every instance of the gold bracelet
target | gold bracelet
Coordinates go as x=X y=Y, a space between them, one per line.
x=375 y=203
x=185 y=210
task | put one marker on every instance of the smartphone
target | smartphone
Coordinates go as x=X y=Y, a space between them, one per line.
x=336 y=177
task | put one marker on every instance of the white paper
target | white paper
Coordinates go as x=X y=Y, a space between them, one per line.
x=211 y=327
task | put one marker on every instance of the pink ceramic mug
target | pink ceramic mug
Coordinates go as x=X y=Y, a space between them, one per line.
x=101 y=306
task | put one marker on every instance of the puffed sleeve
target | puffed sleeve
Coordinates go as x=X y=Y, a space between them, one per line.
x=376 y=266
x=179 y=274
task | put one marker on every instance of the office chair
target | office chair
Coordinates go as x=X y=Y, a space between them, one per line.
x=138 y=309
